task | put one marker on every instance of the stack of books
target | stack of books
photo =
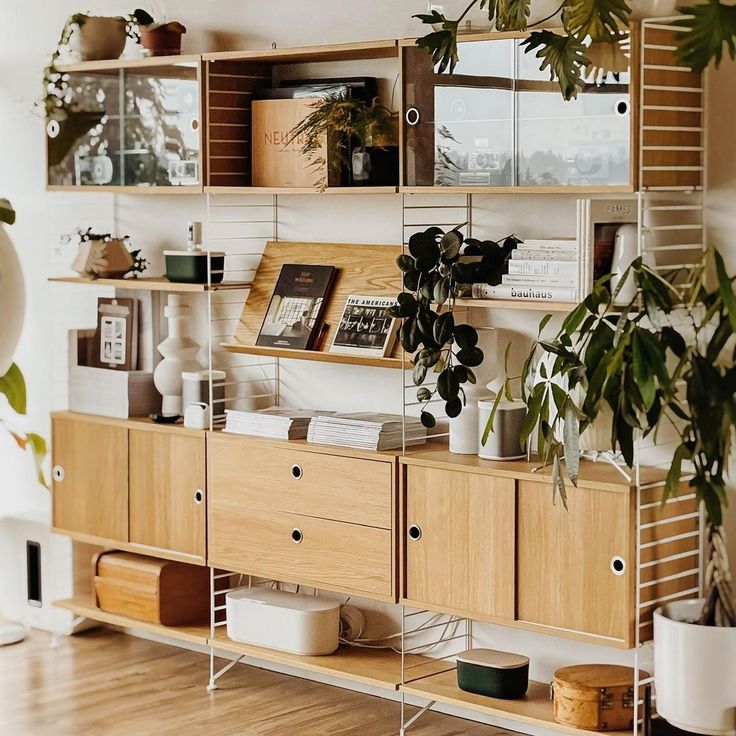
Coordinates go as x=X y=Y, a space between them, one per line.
x=276 y=422
x=366 y=431
x=539 y=270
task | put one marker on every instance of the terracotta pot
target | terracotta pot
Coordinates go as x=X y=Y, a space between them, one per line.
x=101 y=37
x=163 y=40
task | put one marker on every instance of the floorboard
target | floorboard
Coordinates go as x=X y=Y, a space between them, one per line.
x=105 y=683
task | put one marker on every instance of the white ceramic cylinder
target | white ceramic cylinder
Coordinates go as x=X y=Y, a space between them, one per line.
x=694 y=671
x=504 y=442
x=12 y=301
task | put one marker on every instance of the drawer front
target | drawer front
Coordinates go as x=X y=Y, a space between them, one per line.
x=262 y=478
x=301 y=549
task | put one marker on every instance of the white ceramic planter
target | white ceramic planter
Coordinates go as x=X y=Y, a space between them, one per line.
x=694 y=671
x=12 y=301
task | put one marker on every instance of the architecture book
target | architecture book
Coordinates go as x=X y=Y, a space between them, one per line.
x=296 y=307
x=365 y=328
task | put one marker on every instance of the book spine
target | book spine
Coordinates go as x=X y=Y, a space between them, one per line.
x=543 y=268
x=567 y=245
x=523 y=293
x=527 y=280
x=543 y=254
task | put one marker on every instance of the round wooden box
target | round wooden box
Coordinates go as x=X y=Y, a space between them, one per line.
x=596 y=697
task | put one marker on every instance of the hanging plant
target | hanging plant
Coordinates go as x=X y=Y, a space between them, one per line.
x=438 y=268
x=588 y=27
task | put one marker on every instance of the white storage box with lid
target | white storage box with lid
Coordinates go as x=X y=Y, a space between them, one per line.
x=280 y=620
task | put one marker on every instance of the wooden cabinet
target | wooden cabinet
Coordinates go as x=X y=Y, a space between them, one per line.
x=301 y=515
x=167 y=491
x=459 y=541
x=130 y=484
x=90 y=478
x=575 y=567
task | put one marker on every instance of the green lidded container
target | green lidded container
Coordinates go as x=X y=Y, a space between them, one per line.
x=190 y=266
x=496 y=674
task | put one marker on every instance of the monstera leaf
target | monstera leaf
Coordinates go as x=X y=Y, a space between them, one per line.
x=600 y=19
x=707 y=28
x=512 y=15
x=564 y=56
x=7 y=213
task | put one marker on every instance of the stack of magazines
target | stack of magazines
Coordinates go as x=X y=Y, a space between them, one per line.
x=276 y=422
x=366 y=431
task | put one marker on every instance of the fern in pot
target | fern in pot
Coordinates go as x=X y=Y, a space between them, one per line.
x=662 y=361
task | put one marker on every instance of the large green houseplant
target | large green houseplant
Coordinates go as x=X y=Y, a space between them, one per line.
x=590 y=36
x=664 y=357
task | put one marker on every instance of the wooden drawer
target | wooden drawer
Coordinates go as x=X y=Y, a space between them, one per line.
x=327 y=554
x=263 y=477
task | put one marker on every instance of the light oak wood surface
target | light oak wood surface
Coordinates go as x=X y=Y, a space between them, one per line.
x=464 y=558
x=564 y=576
x=104 y=683
x=167 y=480
x=311 y=484
x=92 y=496
x=346 y=558
x=331 y=52
x=151 y=283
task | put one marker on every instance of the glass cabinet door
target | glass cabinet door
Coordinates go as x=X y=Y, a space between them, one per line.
x=581 y=142
x=459 y=127
x=130 y=127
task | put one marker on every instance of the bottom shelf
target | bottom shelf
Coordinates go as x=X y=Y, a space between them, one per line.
x=84 y=605
x=535 y=708
x=376 y=667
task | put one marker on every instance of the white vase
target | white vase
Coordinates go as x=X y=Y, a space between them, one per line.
x=179 y=353
x=694 y=671
x=464 y=428
x=12 y=300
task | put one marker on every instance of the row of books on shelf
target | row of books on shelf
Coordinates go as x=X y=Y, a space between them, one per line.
x=360 y=430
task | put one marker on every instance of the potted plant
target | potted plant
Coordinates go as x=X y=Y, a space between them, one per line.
x=361 y=138
x=438 y=268
x=624 y=364
x=101 y=255
x=161 y=39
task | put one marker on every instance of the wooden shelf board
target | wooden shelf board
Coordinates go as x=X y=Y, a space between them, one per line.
x=303 y=54
x=84 y=605
x=313 y=355
x=144 y=423
x=299 y=190
x=133 y=63
x=375 y=667
x=133 y=189
x=595 y=475
x=568 y=189
x=532 y=306
x=534 y=709
x=152 y=283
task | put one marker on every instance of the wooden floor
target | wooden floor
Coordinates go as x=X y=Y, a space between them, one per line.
x=105 y=683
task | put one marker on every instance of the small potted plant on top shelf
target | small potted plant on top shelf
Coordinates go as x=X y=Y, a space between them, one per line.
x=361 y=138
x=624 y=365
x=162 y=38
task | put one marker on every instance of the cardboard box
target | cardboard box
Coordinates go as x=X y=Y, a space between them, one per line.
x=276 y=158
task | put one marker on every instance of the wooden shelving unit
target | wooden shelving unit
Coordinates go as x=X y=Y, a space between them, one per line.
x=319 y=356
x=300 y=190
x=534 y=709
x=386 y=49
x=84 y=605
x=527 y=306
x=141 y=62
x=151 y=283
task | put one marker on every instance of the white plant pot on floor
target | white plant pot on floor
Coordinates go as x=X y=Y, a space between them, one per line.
x=694 y=671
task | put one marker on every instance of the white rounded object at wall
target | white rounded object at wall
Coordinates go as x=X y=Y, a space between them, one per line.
x=694 y=671
x=12 y=301
x=504 y=441
x=653 y=8
x=289 y=622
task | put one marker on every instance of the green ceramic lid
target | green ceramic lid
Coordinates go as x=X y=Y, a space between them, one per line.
x=493 y=658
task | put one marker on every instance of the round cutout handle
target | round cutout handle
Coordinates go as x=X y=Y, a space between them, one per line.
x=297 y=536
x=412 y=116
x=618 y=565
x=297 y=472
x=57 y=473
x=415 y=532
x=198 y=496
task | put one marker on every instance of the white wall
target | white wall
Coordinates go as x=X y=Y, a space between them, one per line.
x=28 y=33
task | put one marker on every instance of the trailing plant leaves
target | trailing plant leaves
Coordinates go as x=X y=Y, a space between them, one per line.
x=7 y=213
x=419 y=373
x=461 y=373
x=13 y=385
x=471 y=357
x=599 y=19
x=442 y=328
x=512 y=15
x=410 y=335
x=423 y=394
x=447 y=385
x=465 y=336
x=564 y=56
x=450 y=245
x=425 y=243
x=407 y=304
x=405 y=262
x=453 y=407
x=707 y=28
x=441 y=291
x=427 y=419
